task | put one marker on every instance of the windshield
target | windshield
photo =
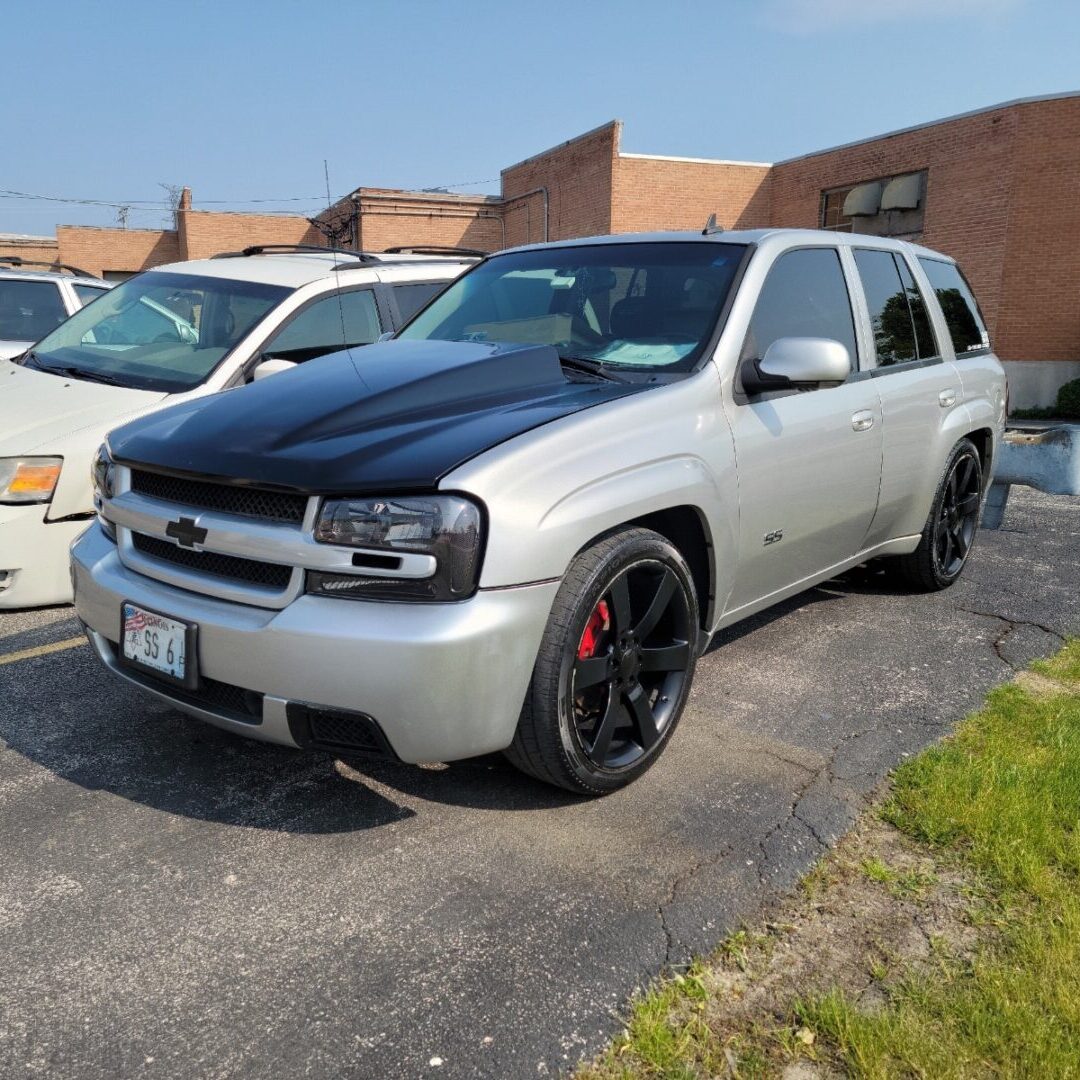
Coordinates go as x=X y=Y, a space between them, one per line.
x=157 y=331
x=635 y=305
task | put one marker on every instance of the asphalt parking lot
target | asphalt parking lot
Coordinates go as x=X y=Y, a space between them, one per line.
x=176 y=902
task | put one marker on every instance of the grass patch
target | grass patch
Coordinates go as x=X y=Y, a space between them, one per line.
x=968 y=890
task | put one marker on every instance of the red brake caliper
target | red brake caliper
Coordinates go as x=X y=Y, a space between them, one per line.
x=599 y=621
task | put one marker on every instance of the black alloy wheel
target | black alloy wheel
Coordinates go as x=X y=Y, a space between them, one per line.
x=958 y=517
x=614 y=667
x=951 y=527
x=631 y=664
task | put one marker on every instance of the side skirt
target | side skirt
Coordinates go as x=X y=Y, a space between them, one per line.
x=900 y=545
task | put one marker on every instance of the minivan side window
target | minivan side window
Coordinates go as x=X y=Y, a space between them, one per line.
x=337 y=321
x=29 y=309
x=86 y=293
x=412 y=297
x=962 y=316
x=804 y=295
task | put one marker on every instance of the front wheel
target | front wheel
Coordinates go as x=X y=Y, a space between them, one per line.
x=614 y=667
x=949 y=533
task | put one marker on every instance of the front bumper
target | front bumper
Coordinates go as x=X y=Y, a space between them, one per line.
x=442 y=681
x=34 y=556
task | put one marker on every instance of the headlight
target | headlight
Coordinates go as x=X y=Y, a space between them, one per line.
x=446 y=527
x=103 y=477
x=29 y=479
x=103 y=473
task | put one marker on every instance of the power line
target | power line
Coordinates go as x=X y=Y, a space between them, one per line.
x=157 y=204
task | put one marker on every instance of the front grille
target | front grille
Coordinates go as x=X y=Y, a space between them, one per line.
x=250 y=571
x=224 y=697
x=221 y=698
x=229 y=499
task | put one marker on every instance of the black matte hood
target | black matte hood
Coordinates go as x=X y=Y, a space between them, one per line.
x=398 y=415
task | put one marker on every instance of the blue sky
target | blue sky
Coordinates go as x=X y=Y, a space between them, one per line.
x=243 y=100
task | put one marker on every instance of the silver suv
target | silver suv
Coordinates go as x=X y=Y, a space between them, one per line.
x=517 y=525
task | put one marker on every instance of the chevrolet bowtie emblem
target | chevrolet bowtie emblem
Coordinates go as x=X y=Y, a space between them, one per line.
x=185 y=532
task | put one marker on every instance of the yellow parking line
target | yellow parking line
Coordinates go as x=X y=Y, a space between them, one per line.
x=42 y=650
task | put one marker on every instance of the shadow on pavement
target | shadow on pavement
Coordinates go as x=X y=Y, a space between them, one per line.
x=66 y=715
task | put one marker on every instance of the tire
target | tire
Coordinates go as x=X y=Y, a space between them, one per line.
x=614 y=667
x=949 y=533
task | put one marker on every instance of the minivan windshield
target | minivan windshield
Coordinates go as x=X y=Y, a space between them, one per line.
x=638 y=305
x=156 y=331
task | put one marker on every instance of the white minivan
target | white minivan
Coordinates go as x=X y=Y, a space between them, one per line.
x=165 y=336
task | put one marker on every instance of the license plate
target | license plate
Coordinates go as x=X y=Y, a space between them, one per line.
x=159 y=644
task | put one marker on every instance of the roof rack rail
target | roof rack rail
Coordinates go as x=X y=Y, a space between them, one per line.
x=17 y=260
x=434 y=249
x=287 y=249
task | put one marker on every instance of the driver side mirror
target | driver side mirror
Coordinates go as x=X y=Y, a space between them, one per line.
x=270 y=365
x=797 y=362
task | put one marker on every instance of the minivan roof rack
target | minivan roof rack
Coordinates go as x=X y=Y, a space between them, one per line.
x=434 y=249
x=288 y=249
x=17 y=260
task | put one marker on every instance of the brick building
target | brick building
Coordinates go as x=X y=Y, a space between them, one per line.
x=998 y=188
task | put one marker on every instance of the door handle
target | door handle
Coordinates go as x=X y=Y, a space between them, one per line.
x=947 y=398
x=863 y=421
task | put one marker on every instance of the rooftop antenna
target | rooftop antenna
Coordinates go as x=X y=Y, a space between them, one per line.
x=330 y=243
x=711 y=226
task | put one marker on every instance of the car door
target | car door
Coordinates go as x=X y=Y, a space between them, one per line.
x=809 y=461
x=918 y=389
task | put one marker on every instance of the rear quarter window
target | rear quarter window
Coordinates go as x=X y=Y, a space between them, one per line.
x=962 y=316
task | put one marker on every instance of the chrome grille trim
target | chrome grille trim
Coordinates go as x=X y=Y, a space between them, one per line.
x=280 y=543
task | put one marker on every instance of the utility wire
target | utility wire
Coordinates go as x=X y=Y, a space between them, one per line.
x=157 y=204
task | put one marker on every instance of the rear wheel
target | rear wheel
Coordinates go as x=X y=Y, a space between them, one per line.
x=614 y=668
x=949 y=533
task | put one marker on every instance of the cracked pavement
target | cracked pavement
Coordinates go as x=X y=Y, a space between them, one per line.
x=176 y=902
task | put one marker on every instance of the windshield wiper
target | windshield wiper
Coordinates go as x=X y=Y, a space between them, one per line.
x=81 y=373
x=592 y=367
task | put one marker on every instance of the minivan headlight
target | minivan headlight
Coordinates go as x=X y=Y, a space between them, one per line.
x=29 y=479
x=447 y=527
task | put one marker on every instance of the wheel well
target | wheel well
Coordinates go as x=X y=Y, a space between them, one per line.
x=984 y=443
x=684 y=527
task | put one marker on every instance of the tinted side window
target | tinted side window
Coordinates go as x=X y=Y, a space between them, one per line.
x=966 y=327
x=29 y=309
x=890 y=316
x=86 y=293
x=805 y=295
x=337 y=321
x=411 y=298
x=924 y=335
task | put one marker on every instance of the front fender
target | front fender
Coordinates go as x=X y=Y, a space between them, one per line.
x=553 y=490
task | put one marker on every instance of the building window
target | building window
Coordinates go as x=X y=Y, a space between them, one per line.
x=887 y=206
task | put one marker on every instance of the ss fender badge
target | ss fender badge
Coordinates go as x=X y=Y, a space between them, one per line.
x=774 y=537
